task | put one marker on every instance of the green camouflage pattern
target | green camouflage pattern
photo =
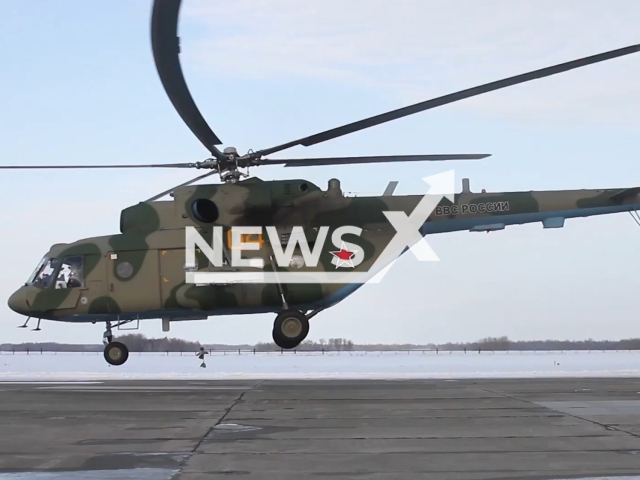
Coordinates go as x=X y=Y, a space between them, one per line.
x=140 y=272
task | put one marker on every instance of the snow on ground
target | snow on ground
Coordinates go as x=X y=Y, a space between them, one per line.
x=334 y=365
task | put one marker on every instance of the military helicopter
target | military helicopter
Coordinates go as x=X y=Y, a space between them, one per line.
x=143 y=272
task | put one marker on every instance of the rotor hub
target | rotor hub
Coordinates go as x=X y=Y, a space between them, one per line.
x=230 y=152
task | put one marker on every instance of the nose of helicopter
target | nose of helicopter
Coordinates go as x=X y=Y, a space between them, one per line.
x=18 y=302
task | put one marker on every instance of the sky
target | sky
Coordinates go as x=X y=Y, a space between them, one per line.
x=78 y=86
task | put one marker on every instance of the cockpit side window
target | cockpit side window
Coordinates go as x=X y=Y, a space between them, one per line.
x=71 y=274
x=44 y=274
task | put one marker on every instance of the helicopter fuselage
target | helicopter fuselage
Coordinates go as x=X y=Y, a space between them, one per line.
x=141 y=272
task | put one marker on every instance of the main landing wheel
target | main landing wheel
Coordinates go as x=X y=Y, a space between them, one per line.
x=290 y=328
x=116 y=353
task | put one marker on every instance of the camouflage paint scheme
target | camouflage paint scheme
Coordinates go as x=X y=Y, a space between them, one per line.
x=152 y=242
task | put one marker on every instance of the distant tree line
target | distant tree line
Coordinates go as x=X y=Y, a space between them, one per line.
x=49 y=347
x=503 y=343
x=140 y=343
x=333 y=344
x=135 y=343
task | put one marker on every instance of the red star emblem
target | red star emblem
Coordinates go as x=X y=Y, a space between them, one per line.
x=344 y=257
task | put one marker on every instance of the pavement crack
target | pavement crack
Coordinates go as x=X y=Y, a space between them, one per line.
x=211 y=429
x=577 y=417
x=228 y=410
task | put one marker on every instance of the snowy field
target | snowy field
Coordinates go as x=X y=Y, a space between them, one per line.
x=334 y=365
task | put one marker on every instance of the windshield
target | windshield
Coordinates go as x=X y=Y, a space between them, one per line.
x=37 y=270
x=43 y=274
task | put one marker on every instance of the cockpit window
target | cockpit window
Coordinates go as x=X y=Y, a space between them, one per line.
x=67 y=273
x=71 y=273
x=43 y=275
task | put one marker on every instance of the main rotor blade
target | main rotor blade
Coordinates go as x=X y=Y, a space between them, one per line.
x=450 y=98
x=185 y=184
x=308 y=162
x=166 y=49
x=165 y=165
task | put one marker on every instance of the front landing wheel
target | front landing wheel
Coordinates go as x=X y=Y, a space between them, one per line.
x=116 y=353
x=290 y=328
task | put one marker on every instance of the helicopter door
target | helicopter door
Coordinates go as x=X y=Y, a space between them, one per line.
x=172 y=273
x=133 y=280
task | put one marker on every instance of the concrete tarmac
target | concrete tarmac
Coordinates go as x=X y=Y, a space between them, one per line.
x=435 y=429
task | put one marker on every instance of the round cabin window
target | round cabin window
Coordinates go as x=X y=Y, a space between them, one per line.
x=124 y=270
x=204 y=210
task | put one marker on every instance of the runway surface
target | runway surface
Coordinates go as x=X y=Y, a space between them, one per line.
x=278 y=429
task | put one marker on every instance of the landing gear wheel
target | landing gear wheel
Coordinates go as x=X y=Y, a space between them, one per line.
x=116 y=353
x=290 y=328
